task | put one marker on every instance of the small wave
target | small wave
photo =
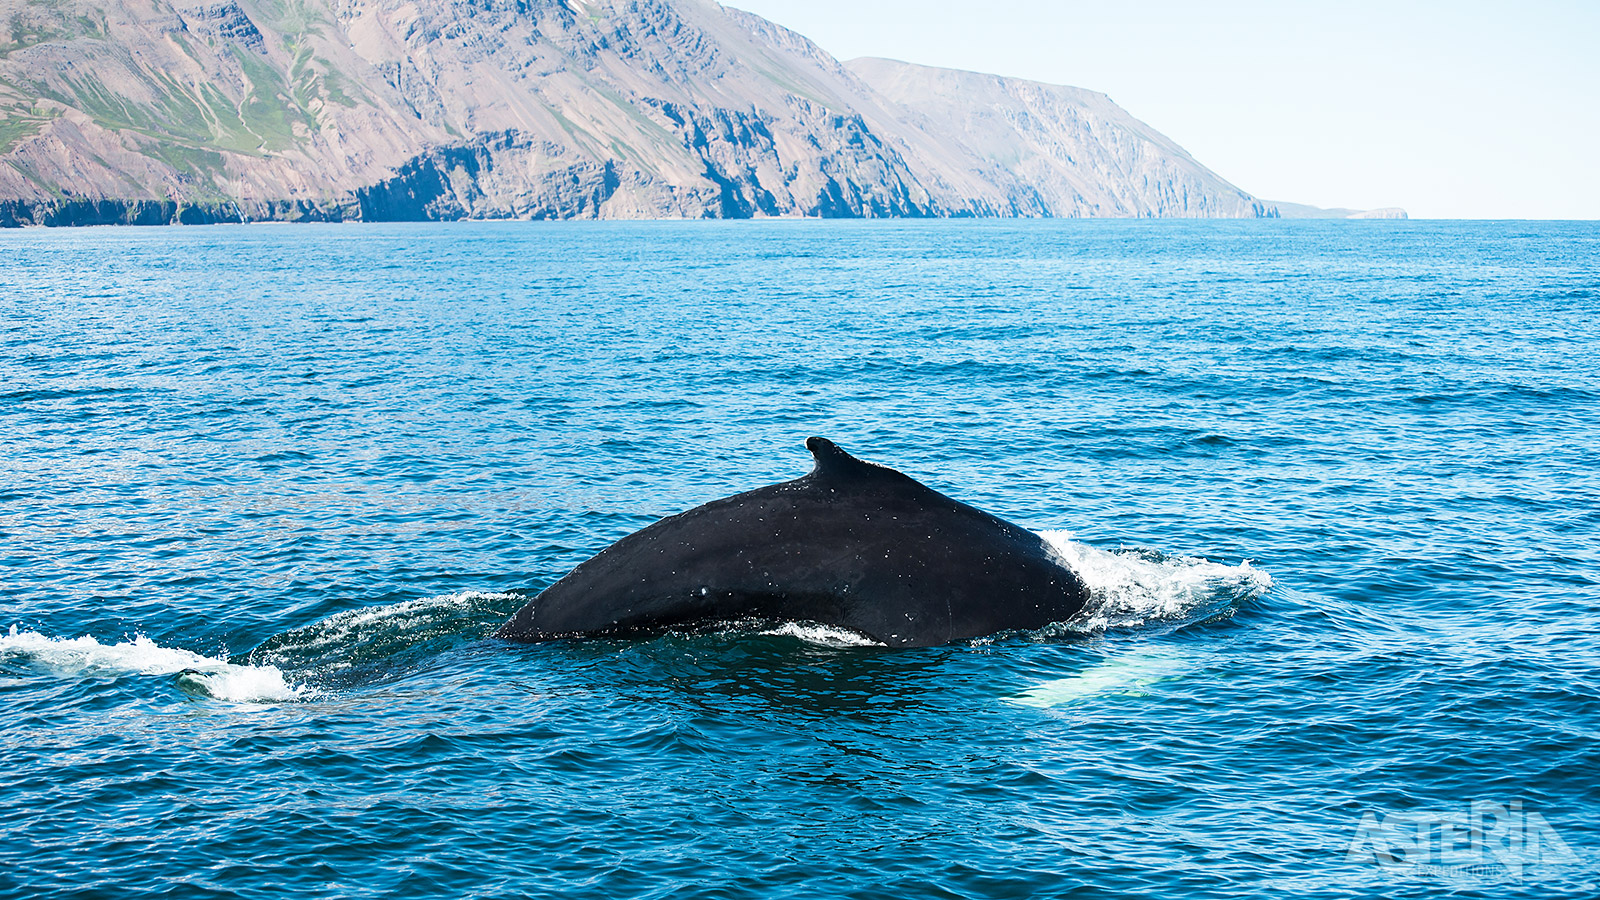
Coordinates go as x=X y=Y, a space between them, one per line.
x=358 y=643
x=41 y=394
x=1130 y=588
x=198 y=675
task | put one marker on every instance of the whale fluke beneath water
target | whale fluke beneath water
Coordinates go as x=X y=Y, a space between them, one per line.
x=852 y=544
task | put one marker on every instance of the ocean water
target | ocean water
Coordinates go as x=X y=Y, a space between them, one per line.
x=266 y=492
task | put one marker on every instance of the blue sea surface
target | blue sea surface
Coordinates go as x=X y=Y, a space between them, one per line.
x=267 y=491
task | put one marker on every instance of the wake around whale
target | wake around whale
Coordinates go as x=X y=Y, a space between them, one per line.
x=851 y=545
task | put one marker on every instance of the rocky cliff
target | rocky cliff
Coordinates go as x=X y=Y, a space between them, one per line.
x=146 y=111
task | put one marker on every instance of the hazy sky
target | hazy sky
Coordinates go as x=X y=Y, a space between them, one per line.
x=1462 y=109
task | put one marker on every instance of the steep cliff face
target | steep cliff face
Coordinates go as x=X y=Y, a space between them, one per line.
x=685 y=110
x=235 y=110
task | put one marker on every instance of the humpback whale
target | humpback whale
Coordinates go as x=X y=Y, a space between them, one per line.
x=853 y=545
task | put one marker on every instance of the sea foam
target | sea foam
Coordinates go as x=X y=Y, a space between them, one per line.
x=86 y=657
x=822 y=635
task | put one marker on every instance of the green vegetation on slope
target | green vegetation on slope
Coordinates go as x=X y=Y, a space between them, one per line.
x=273 y=105
x=16 y=125
x=191 y=119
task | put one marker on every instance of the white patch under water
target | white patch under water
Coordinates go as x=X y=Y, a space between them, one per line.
x=205 y=676
x=1132 y=674
x=1129 y=588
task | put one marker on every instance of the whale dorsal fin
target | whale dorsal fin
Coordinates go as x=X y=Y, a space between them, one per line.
x=834 y=464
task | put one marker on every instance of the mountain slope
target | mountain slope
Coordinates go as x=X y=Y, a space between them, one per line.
x=1061 y=151
x=229 y=110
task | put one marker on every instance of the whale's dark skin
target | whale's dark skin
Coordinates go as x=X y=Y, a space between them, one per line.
x=853 y=545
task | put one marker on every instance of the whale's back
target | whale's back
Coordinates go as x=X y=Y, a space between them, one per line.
x=851 y=544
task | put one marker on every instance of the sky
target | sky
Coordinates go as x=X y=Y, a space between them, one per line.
x=1464 y=109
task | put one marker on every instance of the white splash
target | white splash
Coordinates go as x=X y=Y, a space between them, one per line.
x=200 y=675
x=822 y=635
x=1129 y=588
x=1126 y=675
